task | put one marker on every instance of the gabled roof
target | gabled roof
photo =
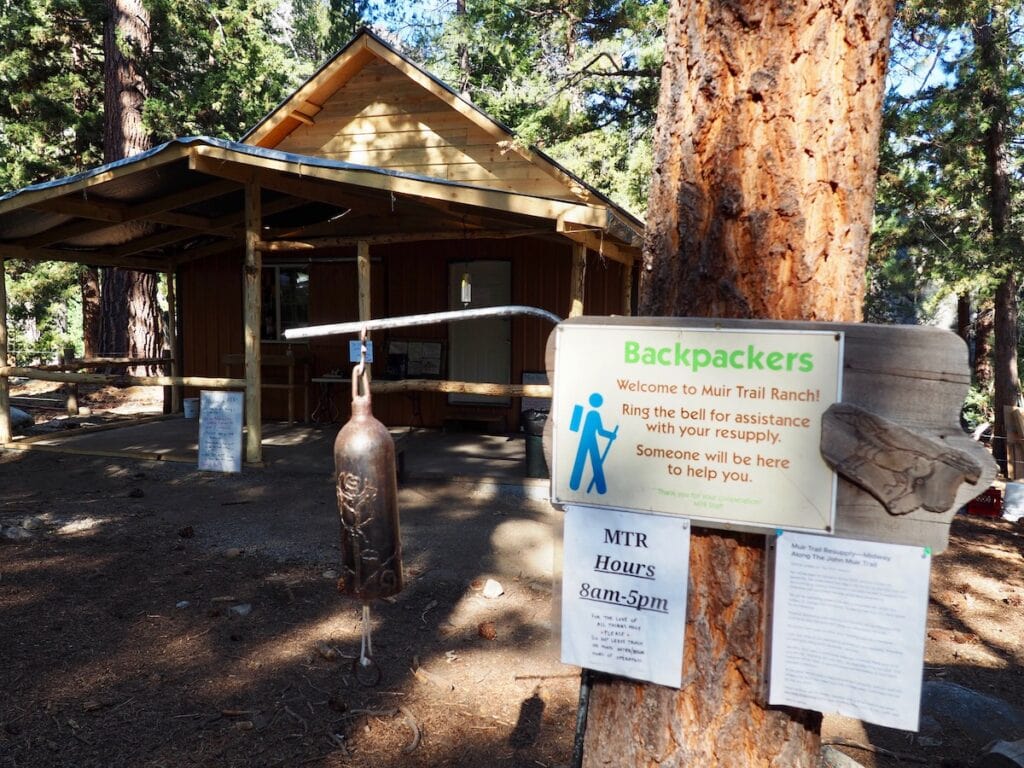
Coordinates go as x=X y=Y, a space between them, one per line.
x=323 y=96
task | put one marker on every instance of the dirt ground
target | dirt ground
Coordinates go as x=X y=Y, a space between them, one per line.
x=153 y=615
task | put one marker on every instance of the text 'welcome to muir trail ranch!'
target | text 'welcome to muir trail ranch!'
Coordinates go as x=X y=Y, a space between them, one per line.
x=718 y=424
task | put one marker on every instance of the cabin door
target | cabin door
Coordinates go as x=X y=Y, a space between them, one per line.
x=480 y=350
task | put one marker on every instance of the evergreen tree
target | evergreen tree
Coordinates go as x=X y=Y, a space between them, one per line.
x=951 y=169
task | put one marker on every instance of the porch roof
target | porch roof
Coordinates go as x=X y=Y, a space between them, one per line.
x=185 y=200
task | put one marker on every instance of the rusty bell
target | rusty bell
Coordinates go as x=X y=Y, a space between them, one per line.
x=364 y=459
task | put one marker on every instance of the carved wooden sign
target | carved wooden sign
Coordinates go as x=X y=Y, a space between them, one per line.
x=888 y=427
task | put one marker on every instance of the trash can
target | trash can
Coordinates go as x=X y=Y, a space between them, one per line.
x=532 y=423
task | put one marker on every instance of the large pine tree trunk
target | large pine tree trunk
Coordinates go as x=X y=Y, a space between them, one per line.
x=766 y=150
x=92 y=315
x=129 y=308
x=983 y=330
x=991 y=33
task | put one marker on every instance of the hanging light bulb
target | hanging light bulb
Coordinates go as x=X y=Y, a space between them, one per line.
x=467 y=289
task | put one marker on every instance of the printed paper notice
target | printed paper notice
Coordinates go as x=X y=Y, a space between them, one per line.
x=848 y=628
x=220 y=431
x=624 y=593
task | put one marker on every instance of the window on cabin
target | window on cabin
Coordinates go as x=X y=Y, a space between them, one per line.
x=285 y=291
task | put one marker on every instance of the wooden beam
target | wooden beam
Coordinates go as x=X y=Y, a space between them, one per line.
x=5 y=392
x=72 y=229
x=302 y=118
x=577 y=280
x=37 y=197
x=306 y=188
x=580 y=214
x=627 y=289
x=253 y=315
x=206 y=382
x=310 y=243
x=461 y=387
x=603 y=247
x=363 y=263
x=172 y=338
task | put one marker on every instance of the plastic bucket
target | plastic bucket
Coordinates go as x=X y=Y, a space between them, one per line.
x=191 y=407
x=1013 y=502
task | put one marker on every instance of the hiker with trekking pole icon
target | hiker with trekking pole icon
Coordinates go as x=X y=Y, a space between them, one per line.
x=591 y=429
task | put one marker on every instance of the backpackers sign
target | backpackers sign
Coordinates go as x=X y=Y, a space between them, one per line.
x=721 y=424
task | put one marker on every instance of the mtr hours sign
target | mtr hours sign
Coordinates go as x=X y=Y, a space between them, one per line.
x=718 y=424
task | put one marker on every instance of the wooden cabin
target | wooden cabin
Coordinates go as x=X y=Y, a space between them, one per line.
x=374 y=190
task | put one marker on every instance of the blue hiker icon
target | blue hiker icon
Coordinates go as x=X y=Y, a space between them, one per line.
x=590 y=428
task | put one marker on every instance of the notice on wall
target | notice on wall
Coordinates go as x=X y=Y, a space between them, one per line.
x=848 y=628
x=717 y=424
x=220 y=431
x=624 y=593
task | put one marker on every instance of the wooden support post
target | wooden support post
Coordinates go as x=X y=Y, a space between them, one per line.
x=66 y=364
x=627 y=288
x=363 y=261
x=577 y=281
x=253 y=299
x=5 y=392
x=172 y=340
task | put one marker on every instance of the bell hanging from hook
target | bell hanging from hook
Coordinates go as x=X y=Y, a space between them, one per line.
x=364 y=459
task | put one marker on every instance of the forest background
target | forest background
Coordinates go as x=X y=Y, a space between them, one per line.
x=577 y=78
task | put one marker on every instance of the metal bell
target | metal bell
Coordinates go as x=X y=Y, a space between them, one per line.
x=364 y=459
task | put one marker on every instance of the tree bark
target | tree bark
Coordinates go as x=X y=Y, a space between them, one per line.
x=766 y=150
x=983 y=329
x=128 y=306
x=89 y=283
x=990 y=37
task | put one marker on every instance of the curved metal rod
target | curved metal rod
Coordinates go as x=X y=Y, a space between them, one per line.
x=431 y=318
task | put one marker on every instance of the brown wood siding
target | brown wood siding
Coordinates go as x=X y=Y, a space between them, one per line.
x=406 y=279
x=211 y=314
x=383 y=119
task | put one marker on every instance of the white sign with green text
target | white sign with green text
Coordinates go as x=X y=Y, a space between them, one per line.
x=721 y=425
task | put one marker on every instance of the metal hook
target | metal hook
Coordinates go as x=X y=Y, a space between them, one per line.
x=359 y=372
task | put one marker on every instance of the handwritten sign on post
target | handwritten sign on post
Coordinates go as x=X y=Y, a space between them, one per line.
x=624 y=593
x=220 y=431
x=721 y=425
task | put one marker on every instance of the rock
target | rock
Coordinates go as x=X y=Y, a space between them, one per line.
x=20 y=419
x=487 y=630
x=1003 y=754
x=232 y=552
x=330 y=574
x=14 y=533
x=242 y=609
x=183 y=604
x=833 y=758
x=32 y=523
x=326 y=651
x=981 y=717
x=493 y=589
